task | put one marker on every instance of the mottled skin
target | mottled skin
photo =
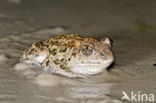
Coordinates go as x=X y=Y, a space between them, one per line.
x=70 y=55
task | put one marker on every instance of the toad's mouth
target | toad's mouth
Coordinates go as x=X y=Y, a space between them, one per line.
x=94 y=62
x=33 y=63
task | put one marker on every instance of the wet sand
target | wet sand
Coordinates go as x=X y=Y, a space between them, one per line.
x=130 y=24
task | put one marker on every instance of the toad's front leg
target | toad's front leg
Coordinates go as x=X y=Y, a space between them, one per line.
x=48 y=66
x=45 y=63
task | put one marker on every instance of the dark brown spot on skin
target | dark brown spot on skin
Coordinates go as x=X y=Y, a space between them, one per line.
x=37 y=44
x=41 y=49
x=47 y=63
x=41 y=42
x=56 y=43
x=53 y=52
x=46 y=45
x=32 y=50
x=63 y=67
x=74 y=54
x=62 y=60
x=56 y=62
x=71 y=44
x=69 y=59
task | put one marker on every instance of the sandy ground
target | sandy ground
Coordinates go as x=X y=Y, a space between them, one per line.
x=131 y=25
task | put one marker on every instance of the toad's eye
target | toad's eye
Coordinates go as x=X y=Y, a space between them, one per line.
x=87 y=49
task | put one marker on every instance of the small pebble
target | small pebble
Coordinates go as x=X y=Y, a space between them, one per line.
x=46 y=80
x=21 y=66
x=57 y=30
x=63 y=99
x=29 y=72
x=3 y=58
x=60 y=99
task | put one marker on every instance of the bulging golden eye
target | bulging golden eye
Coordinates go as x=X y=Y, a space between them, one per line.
x=87 y=49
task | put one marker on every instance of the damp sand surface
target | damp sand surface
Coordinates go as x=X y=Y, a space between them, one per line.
x=132 y=29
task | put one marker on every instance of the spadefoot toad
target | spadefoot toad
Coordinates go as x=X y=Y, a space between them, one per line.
x=70 y=55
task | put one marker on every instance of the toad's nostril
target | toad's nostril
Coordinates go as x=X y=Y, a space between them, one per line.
x=102 y=54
